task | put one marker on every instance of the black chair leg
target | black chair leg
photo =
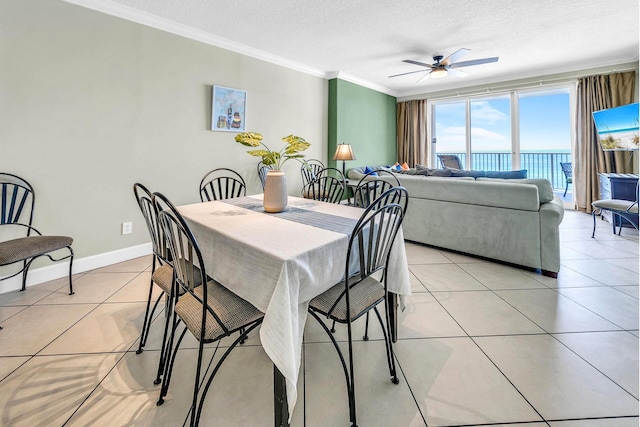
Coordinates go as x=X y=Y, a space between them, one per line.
x=146 y=323
x=70 y=272
x=165 y=351
x=366 y=328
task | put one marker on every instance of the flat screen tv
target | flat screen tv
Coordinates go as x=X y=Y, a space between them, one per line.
x=618 y=127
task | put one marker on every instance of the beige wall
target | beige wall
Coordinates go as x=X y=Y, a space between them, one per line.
x=90 y=104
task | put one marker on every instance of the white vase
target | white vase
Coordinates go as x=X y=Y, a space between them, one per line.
x=275 y=192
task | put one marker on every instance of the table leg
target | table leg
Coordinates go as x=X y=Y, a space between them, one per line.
x=280 y=406
x=392 y=304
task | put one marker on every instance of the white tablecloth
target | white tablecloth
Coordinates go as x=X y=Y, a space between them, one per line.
x=279 y=262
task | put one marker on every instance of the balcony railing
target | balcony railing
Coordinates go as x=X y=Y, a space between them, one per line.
x=538 y=165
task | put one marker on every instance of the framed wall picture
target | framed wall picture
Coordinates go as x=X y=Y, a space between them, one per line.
x=228 y=109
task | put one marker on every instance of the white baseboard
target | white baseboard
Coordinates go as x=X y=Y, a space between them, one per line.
x=80 y=265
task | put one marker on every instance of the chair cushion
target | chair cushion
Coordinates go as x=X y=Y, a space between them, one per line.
x=616 y=205
x=233 y=311
x=163 y=277
x=362 y=296
x=25 y=248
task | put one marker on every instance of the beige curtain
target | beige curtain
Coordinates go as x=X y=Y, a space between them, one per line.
x=411 y=121
x=598 y=93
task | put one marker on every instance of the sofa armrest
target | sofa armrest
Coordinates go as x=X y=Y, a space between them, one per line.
x=551 y=215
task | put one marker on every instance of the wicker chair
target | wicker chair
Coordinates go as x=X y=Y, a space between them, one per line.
x=221 y=184
x=370 y=244
x=17 y=202
x=209 y=312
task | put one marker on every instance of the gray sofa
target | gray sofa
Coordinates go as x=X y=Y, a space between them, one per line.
x=510 y=220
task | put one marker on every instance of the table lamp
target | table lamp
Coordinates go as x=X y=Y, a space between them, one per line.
x=344 y=152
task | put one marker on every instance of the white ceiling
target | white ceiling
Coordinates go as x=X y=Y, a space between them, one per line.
x=365 y=41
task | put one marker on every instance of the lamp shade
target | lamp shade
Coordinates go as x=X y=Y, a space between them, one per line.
x=344 y=152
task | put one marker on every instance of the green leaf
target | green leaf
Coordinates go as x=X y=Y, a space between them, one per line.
x=250 y=139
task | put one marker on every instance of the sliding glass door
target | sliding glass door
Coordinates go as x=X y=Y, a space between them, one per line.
x=507 y=131
x=491 y=133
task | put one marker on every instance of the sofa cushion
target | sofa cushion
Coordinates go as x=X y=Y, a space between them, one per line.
x=471 y=173
x=433 y=172
x=520 y=174
x=545 y=192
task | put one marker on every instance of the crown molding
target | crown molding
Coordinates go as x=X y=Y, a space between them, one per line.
x=361 y=82
x=120 y=11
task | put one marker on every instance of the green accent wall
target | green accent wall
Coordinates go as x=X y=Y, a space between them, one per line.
x=364 y=118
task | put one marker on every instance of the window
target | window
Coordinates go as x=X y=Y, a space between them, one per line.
x=511 y=130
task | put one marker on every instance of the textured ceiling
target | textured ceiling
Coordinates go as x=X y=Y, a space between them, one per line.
x=366 y=40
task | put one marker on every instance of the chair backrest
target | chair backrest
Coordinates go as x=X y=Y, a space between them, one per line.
x=310 y=170
x=372 y=185
x=450 y=161
x=262 y=173
x=567 y=168
x=325 y=188
x=150 y=215
x=373 y=236
x=221 y=184
x=187 y=258
x=17 y=201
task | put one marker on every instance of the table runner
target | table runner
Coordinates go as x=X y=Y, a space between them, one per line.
x=336 y=223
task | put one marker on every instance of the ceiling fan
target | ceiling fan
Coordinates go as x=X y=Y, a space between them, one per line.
x=447 y=66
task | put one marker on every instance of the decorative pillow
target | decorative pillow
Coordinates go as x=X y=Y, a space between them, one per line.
x=405 y=166
x=368 y=169
x=410 y=172
x=462 y=172
x=521 y=174
x=433 y=172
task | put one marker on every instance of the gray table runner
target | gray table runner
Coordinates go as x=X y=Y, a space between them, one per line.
x=325 y=221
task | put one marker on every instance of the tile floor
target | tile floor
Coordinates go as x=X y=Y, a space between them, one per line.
x=480 y=344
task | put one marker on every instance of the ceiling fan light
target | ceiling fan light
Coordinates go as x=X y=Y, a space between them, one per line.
x=438 y=73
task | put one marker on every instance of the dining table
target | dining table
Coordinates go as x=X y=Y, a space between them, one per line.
x=279 y=262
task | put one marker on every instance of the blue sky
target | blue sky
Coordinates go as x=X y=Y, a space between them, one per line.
x=625 y=117
x=544 y=123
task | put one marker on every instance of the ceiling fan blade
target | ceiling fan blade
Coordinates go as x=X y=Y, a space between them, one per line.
x=424 y=77
x=410 y=72
x=422 y=64
x=455 y=56
x=456 y=73
x=474 y=62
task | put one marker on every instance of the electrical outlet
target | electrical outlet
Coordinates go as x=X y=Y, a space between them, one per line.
x=127 y=227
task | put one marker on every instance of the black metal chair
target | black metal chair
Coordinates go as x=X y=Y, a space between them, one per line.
x=262 y=173
x=210 y=312
x=161 y=269
x=26 y=243
x=567 y=169
x=370 y=244
x=450 y=161
x=373 y=185
x=626 y=209
x=327 y=186
x=221 y=184
x=310 y=170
